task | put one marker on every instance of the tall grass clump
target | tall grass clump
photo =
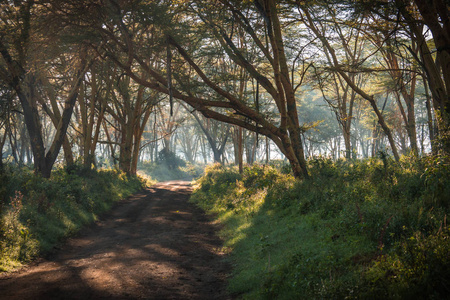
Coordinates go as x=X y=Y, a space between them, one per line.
x=356 y=230
x=37 y=213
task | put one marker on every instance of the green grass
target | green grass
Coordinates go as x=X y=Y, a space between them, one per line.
x=356 y=230
x=36 y=213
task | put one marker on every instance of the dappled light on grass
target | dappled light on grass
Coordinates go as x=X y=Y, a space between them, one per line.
x=238 y=234
x=356 y=229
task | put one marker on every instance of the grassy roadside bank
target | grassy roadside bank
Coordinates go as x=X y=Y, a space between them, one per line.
x=372 y=229
x=36 y=213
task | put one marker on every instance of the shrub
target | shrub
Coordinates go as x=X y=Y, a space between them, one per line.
x=16 y=242
x=419 y=268
x=218 y=179
x=259 y=176
x=436 y=178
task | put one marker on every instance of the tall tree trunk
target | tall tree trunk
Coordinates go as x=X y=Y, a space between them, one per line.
x=126 y=147
x=240 y=151
x=138 y=132
x=347 y=143
x=429 y=117
x=2 y=143
x=292 y=143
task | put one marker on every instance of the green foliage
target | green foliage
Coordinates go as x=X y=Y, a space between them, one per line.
x=38 y=213
x=259 y=176
x=436 y=174
x=355 y=229
x=16 y=244
x=218 y=179
x=419 y=268
x=217 y=182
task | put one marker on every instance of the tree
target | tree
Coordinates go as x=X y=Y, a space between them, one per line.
x=336 y=91
x=434 y=15
x=6 y=108
x=216 y=135
x=320 y=29
x=19 y=72
x=427 y=23
x=264 y=31
x=130 y=107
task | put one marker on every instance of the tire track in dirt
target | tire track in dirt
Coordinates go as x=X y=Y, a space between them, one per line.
x=153 y=245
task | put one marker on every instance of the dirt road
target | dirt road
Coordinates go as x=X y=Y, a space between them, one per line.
x=154 y=245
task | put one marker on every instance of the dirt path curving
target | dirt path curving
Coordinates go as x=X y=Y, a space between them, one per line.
x=154 y=245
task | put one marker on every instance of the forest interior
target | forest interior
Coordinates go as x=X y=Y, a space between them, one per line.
x=315 y=135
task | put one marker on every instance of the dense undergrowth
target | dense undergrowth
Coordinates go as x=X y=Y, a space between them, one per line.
x=37 y=213
x=371 y=229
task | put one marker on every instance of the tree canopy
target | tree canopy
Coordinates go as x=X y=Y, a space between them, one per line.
x=87 y=76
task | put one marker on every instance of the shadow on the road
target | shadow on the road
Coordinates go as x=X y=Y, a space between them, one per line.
x=152 y=246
